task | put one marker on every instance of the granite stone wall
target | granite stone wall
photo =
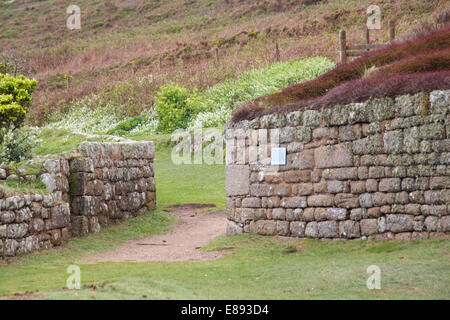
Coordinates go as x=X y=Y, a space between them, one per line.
x=378 y=170
x=99 y=185
x=110 y=182
x=30 y=222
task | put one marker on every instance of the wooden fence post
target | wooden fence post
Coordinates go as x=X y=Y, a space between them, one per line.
x=343 y=46
x=216 y=54
x=277 y=52
x=391 y=30
x=368 y=38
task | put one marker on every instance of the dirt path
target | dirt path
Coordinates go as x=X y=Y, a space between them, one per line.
x=192 y=231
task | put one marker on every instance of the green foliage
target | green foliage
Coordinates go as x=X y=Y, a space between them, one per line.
x=15 y=99
x=175 y=107
x=126 y=126
x=16 y=144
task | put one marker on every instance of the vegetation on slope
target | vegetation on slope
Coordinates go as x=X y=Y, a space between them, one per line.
x=126 y=50
x=213 y=107
x=429 y=53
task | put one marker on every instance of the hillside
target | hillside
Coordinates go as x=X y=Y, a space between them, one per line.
x=126 y=50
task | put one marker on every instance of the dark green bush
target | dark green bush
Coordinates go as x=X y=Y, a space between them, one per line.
x=126 y=126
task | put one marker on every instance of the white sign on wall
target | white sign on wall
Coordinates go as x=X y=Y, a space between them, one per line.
x=278 y=157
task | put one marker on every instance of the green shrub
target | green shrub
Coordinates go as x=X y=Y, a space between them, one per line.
x=126 y=126
x=175 y=107
x=16 y=145
x=15 y=99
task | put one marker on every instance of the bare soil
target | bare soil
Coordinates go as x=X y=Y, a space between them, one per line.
x=193 y=230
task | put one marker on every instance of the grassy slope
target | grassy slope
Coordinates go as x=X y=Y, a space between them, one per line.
x=257 y=267
x=119 y=44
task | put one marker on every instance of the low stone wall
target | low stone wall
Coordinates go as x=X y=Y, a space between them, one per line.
x=378 y=169
x=103 y=183
x=32 y=222
x=109 y=183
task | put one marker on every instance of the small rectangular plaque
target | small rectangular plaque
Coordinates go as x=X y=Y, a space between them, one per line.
x=278 y=157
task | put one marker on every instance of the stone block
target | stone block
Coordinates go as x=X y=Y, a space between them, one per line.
x=368 y=227
x=389 y=185
x=321 y=200
x=16 y=231
x=393 y=141
x=335 y=186
x=340 y=173
x=334 y=156
x=399 y=222
x=237 y=180
x=251 y=202
x=311 y=230
x=328 y=229
x=297 y=228
x=336 y=213
x=293 y=202
x=233 y=228
x=297 y=176
x=282 y=228
x=349 y=229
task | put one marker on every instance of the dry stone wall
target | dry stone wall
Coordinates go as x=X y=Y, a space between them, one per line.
x=378 y=169
x=103 y=184
x=33 y=222
x=109 y=183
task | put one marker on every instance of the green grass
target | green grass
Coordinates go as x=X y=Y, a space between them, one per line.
x=254 y=267
x=11 y=187
x=59 y=142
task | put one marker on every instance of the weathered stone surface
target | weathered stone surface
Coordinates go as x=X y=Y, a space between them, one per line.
x=311 y=230
x=282 y=228
x=293 y=202
x=320 y=200
x=60 y=216
x=328 y=229
x=399 y=222
x=15 y=231
x=251 y=202
x=340 y=173
x=297 y=176
x=377 y=169
x=279 y=214
x=390 y=185
x=261 y=190
x=335 y=186
x=266 y=227
x=237 y=177
x=349 y=229
x=7 y=217
x=346 y=200
x=432 y=223
x=336 y=214
x=304 y=160
x=333 y=156
x=444 y=224
x=440 y=183
x=393 y=141
x=368 y=227
x=365 y=200
x=233 y=228
x=297 y=229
